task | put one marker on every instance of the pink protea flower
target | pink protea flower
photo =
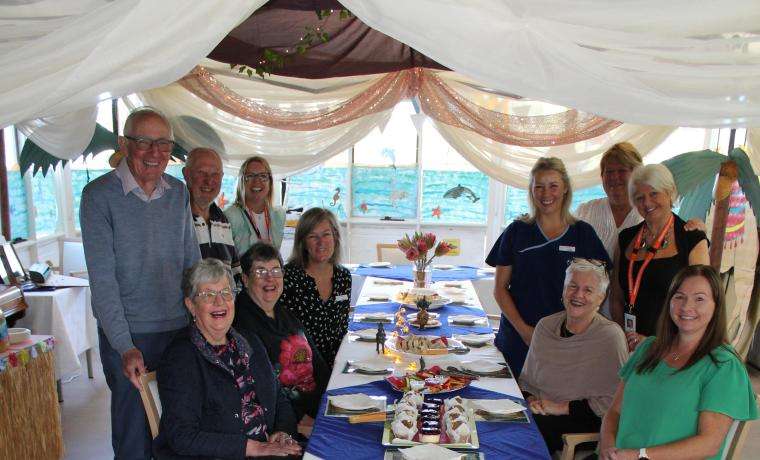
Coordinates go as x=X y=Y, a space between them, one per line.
x=296 y=363
x=443 y=248
x=412 y=254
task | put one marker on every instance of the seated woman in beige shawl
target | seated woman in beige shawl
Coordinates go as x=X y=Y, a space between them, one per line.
x=571 y=370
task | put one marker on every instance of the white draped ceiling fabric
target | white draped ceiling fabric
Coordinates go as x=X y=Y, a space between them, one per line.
x=60 y=58
x=648 y=62
x=674 y=63
x=291 y=121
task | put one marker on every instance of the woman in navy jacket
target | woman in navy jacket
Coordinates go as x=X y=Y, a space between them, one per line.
x=218 y=391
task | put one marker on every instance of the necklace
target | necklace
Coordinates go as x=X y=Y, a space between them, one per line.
x=648 y=234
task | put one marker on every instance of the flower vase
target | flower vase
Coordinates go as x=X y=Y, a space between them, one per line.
x=422 y=277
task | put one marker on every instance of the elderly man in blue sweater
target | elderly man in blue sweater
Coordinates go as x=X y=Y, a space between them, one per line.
x=138 y=238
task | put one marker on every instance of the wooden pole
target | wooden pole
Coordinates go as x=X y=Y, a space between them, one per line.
x=727 y=176
x=5 y=207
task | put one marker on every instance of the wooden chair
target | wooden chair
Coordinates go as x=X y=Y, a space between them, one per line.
x=151 y=401
x=737 y=435
x=388 y=252
x=571 y=440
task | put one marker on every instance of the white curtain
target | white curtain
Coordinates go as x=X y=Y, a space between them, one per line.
x=649 y=62
x=60 y=59
x=197 y=123
x=512 y=164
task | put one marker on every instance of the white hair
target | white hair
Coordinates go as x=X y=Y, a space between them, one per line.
x=585 y=265
x=656 y=176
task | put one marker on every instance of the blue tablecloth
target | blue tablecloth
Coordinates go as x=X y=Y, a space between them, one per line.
x=404 y=273
x=443 y=314
x=336 y=438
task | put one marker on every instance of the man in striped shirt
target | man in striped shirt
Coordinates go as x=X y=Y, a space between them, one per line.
x=203 y=174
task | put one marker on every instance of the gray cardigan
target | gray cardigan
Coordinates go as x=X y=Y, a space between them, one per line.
x=136 y=254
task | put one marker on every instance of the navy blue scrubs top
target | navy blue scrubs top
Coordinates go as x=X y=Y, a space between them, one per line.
x=538 y=275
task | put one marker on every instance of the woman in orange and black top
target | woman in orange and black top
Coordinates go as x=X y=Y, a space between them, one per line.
x=651 y=253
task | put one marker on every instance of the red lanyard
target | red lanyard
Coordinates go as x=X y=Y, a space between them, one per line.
x=266 y=222
x=633 y=288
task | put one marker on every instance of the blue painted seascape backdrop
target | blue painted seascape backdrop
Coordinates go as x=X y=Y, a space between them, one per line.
x=384 y=190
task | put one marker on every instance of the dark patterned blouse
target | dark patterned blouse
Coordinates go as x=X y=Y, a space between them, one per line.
x=324 y=322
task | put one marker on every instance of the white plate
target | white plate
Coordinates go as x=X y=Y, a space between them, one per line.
x=391 y=344
x=444 y=267
x=430 y=324
x=481 y=365
x=358 y=401
x=380 y=264
x=413 y=316
x=475 y=339
x=468 y=320
x=495 y=406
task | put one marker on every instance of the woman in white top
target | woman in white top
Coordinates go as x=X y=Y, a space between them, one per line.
x=253 y=216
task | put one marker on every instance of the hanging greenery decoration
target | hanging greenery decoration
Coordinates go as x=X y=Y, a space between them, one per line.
x=272 y=60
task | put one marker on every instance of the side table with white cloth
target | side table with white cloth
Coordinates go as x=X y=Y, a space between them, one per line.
x=66 y=314
x=332 y=436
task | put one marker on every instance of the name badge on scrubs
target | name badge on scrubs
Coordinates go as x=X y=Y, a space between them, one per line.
x=629 y=323
x=339 y=298
x=567 y=248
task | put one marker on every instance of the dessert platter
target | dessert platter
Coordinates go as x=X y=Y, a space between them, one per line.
x=411 y=296
x=417 y=420
x=423 y=345
x=429 y=381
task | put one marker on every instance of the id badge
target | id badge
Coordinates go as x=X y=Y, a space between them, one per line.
x=629 y=322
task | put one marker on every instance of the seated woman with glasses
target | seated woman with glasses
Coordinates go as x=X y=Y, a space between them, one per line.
x=317 y=289
x=253 y=216
x=219 y=395
x=570 y=372
x=299 y=367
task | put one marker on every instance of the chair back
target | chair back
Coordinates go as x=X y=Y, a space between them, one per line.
x=388 y=252
x=736 y=436
x=151 y=401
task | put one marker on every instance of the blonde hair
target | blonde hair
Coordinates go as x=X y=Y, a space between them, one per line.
x=656 y=176
x=551 y=164
x=240 y=191
x=622 y=152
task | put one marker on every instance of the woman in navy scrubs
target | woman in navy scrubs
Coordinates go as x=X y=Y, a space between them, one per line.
x=531 y=257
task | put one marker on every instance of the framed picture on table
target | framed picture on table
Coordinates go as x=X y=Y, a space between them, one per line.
x=12 y=270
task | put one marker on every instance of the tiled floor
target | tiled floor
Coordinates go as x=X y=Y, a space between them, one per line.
x=87 y=430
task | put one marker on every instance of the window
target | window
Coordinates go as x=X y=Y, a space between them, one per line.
x=453 y=190
x=324 y=186
x=517 y=201
x=83 y=170
x=45 y=204
x=384 y=171
x=16 y=188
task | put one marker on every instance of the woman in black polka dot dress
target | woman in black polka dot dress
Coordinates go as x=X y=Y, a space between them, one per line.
x=317 y=290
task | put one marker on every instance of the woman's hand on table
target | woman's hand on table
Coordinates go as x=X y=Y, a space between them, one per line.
x=279 y=444
x=634 y=339
x=306 y=425
x=549 y=407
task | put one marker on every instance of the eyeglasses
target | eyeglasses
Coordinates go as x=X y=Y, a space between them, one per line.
x=261 y=177
x=144 y=143
x=209 y=297
x=275 y=272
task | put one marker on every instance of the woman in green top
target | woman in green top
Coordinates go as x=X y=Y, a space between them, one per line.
x=682 y=389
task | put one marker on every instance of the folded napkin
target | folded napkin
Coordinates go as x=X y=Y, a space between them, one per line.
x=477 y=339
x=429 y=452
x=357 y=401
x=372 y=365
x=468 y=319
x=495 y=406
x=366 y=334
x=482 y=366
x=373 y=316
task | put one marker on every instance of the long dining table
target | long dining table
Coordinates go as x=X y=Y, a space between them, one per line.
x=335 y=437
